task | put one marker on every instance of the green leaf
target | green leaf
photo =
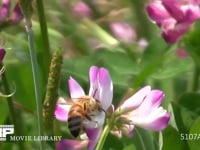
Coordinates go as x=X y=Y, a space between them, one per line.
x=172 y=140
x=130 y=147
x=191 y=101
x=194 y=135
x=20 y=75
x=3 y=110
x=178 y=117
x=191 y=43
x=186 y=110
x=112 y=142
x=143 y=139
x=113 y=61
x=173 y=68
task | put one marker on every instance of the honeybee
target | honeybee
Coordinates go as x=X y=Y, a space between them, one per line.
x=83 y=109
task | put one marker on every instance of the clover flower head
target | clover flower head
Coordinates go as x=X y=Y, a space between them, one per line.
x=101 y=89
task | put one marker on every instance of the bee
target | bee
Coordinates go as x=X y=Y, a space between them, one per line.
x=83 y=109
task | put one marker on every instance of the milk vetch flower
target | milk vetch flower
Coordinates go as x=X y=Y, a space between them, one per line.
x=101 y=88
x=142 y=109
x=174 y=17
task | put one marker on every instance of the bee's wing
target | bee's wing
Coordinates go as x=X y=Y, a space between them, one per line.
x=64 y=101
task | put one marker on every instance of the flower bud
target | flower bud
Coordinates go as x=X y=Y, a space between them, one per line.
x=123 y=31
x=81 y=9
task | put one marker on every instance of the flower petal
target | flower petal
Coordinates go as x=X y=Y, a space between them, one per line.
x=75 y=89
x=93 y=73
x=135 y=100
x=71 y=145
x=62 y=109
x=157 y=12
x=151 y=102
x=157 y=120
x=93 y=135
x=172 y=31
x=101 y=86
x=174 y=8
x=106 y=88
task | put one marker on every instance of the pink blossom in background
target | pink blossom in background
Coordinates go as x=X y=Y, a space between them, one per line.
x=181 y=53
x=142 y=44
x=16 y=16
x=4 y=9
x=8 y=17
x=174 y=17
x=123 y=31
x=81 y=9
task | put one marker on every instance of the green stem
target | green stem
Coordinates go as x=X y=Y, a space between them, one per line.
x=103 y=137
x=44 y=34
x=168 y=88
x=195 y=79
x=35 y=78
x=14 y=114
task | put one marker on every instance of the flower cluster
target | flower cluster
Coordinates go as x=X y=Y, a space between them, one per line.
x=174 y=17
x=142 y=109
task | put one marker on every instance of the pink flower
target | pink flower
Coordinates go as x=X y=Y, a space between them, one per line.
x=16 y=16
x=4 y=9
x=123 y=31
x=7 y=18
x=142 y=109
x=81 y=9
x=101 y=88
x=181 y=53
x=174 y=17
